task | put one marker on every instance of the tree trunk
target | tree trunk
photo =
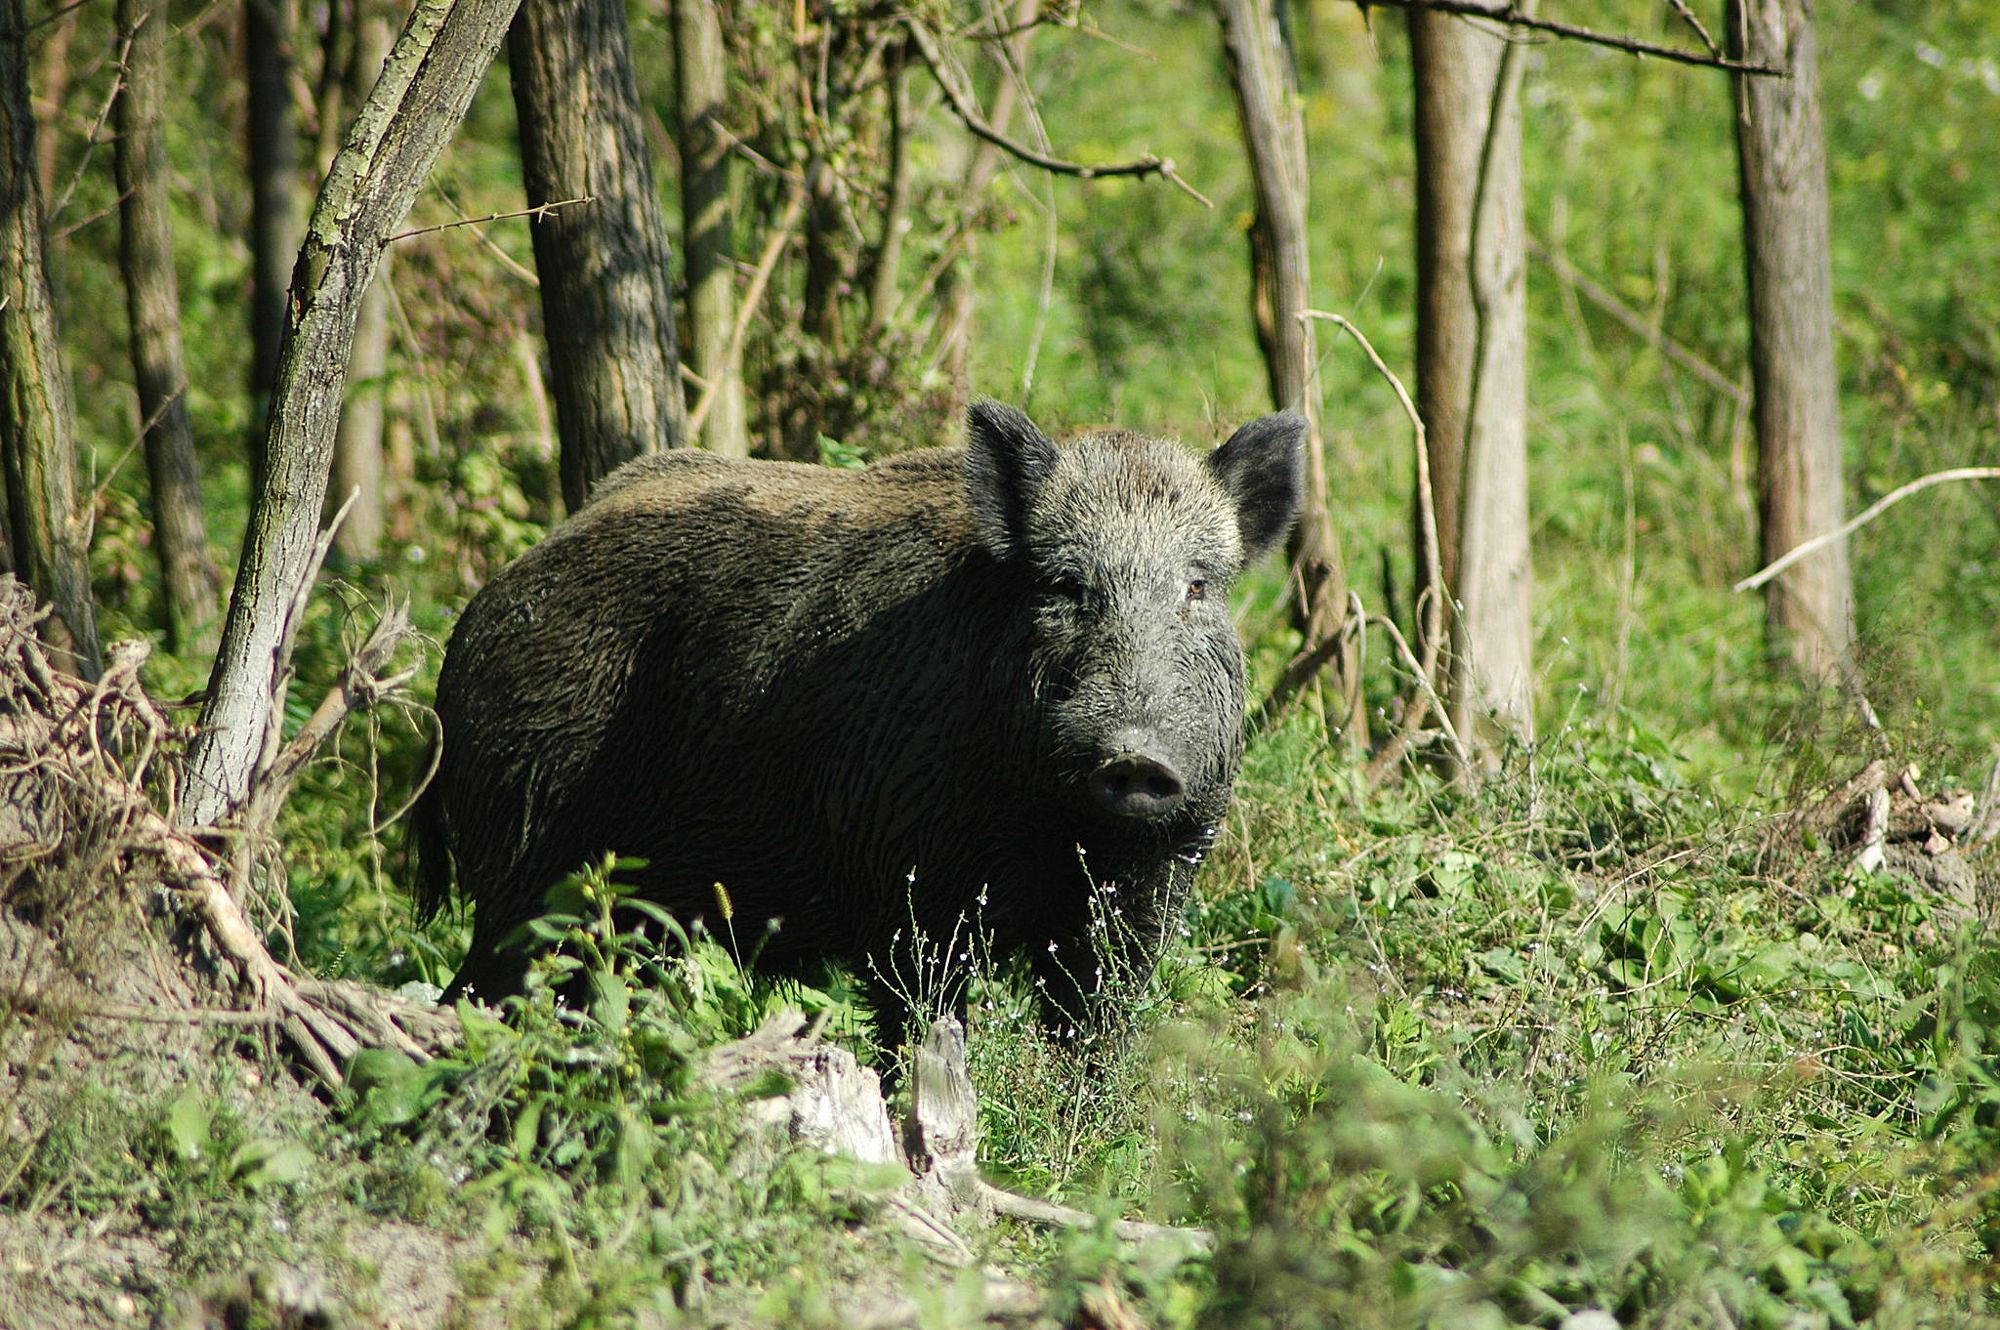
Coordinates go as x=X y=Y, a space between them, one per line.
x=357 y=450
x=896 y=215
x=607 y=295
x=37 y=422
x=1472 y=367
x=152 y=306
x=397 y=135
x=53 y=80
x=273 y=155
x=1262 y=74
x=956 y=286
x=708 y=219
x=1809 y=610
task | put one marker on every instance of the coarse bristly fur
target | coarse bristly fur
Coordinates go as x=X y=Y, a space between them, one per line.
x=984 y=689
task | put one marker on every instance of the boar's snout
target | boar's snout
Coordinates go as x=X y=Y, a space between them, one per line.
x=1137 y=784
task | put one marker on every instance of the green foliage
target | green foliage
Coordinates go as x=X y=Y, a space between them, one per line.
x=1610 y=1032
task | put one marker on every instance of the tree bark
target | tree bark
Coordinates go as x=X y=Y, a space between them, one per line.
x=357 y=452
x=708 y=219
x=37 y=420
x=1262 y=74
x=416 y=105
x=607 y=296
x=1472 y=368
x=188 y=582
x=1781 y=152
x=272 y=149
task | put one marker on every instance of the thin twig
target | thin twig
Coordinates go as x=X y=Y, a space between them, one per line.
x=539 y=210
x=1431 y=603
x=1873 y=511
x=1302 y=667
x=1148 y=165
x=1513 y=16
x=1680 y=7
x=1426 y=496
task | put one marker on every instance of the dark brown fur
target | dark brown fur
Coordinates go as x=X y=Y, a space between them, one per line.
x=964 y=687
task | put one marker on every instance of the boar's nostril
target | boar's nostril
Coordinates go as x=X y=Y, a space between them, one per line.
x=1133 y=785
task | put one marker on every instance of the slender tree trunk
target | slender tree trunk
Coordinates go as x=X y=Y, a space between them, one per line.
x=153 y=309
x=1472 y=367
x=357 y=451
x=273 y=154
x=415 y=107
x=956 y=287
x=1267 y=102
x=53 y=80
x=896 y=215
x=607 y=295
x=37 y=421
x=1809 y=611
x=708 y=218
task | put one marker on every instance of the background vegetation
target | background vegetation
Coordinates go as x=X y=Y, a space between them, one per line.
x=1625 y=1030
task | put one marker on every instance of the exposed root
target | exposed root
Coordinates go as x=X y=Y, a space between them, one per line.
x=75 y=754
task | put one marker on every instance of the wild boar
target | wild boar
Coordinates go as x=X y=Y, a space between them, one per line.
x=992 y=690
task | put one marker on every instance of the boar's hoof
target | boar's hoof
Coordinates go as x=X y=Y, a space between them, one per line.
x=1136 y=786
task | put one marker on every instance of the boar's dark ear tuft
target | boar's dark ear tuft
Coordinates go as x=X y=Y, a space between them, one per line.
x=1263 y=470
x=1006 y=461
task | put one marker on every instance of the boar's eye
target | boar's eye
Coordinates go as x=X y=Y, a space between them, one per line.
x=1062 y=586
x=1197 y=589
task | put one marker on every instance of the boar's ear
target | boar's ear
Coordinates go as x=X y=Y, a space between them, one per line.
x=1006 y=461
x=1262 y=469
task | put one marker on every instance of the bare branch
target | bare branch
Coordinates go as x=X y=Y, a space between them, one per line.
x=539 y=210
x=1148 y=165
x=1873 y=511
x=1513 y=16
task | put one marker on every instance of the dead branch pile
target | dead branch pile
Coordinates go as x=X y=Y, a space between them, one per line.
x=75 y=763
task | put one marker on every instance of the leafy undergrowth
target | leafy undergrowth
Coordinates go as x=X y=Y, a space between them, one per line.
x=1592 y=1038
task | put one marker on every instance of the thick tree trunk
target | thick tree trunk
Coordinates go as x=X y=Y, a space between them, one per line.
x=357 y=451
x=607 y=294
x=1809 y=611
x=409 y=117
x=37 y=420
x=1267 y=102
x=152 y=305
x=1472 y=367
x=273 y=154
x=707 y=219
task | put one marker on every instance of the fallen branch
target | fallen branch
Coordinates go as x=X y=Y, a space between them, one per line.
x=1016 y=1206
x=1869 y=514
x=968 y=113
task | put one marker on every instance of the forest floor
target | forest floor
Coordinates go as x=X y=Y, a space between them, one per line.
x=1599 y=1037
